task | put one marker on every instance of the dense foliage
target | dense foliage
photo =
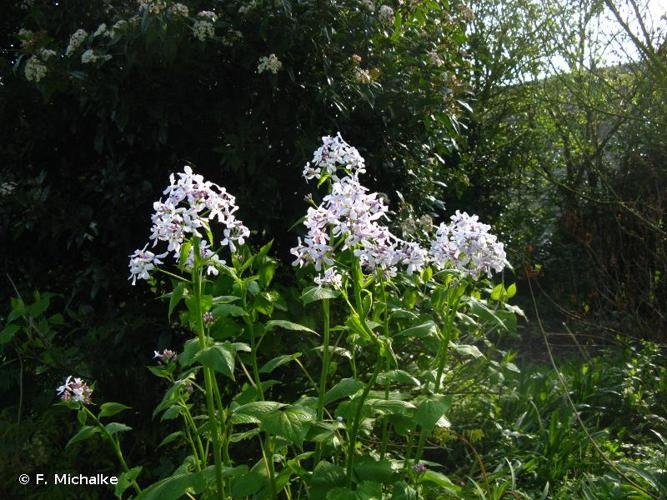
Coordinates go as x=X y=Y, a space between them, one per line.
x=365 y=349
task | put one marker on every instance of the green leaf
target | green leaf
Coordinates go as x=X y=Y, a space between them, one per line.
x=287 y=325
x=174 y=487
x=368 y=469
x=190 y=350
x=316 y=293
x=346 y=387
x=171 y=438
x=442 y=481
x=251 y=413
x=400 y=377
x=116 y=427
x=125 y=480
x=224 y=310
x=7 y=334
x=176 y=297
x=291 y=423
x=110 y=409
x=511 y=291
x=467 y=350
x=248 y=484
x=84 y=433
x=497 y=292
x=429 y=411
x=480 y=310
x=326 y=477
x=279 y=361
x=390 y=406
x=426 y=329
x=218 y=357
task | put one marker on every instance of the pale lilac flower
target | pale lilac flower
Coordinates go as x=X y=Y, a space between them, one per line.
x=75 y=389
x=330 y=278
x=468 y=245
x=142 y=262
x=208 y=318
x=334 y=154
x=419 y=468
x=187 y=210
x=165 y=357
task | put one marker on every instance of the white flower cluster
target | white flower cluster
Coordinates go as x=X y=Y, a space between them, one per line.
x=75 y=41
x=334 y=154
x=152 y=6
x=386 y=14
x=165 y=357
x=203 y=29
x=178 y=9
x=369 y=5
x=89 y=57
x=362 y=75
x=101 y=31
x=230 y=38
x=118 y=27
x=247 y=7
x=435 y=58
x=270 y=63
x=468 y=245
x=26 y=37
x=34 y=69
x=75 y=389
x=190 y=205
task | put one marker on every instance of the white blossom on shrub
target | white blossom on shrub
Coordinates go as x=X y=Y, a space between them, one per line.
x=34 y=70
x=203 y=29
x=75 y=41
x=230 y=38
x=101 y=30
x=368 y=5
x=362 y=75
x=386 y=14
x=269 y=63
x=46 y=54
x=152 y=6
x=178 y=9
x=468 y=245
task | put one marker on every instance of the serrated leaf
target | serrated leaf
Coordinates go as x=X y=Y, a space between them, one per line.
x=251 y=413
x=87 y=431
x=110 y=409
x=316 y=293
x=190 y=350
x=368 y=469
x=171 y=438
x=467 y=350
x=429 y=411
x=176 y=297
x=287 y=325
x=116 y=427
x=291 y=423
x=279 y=361
x=218 y=357
x=426 y=329
x=346 y=387
x=442 y=481
x=224 y=310
x=125 y=480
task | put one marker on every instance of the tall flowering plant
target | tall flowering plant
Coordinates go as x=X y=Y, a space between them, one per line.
x=394 y=313
x=403 y=299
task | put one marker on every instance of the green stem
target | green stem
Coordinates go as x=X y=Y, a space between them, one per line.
x=116 y=446
x=352 y=438
x=209 y=377
x=385 y=422
x=442 y=355
x=325 y=370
